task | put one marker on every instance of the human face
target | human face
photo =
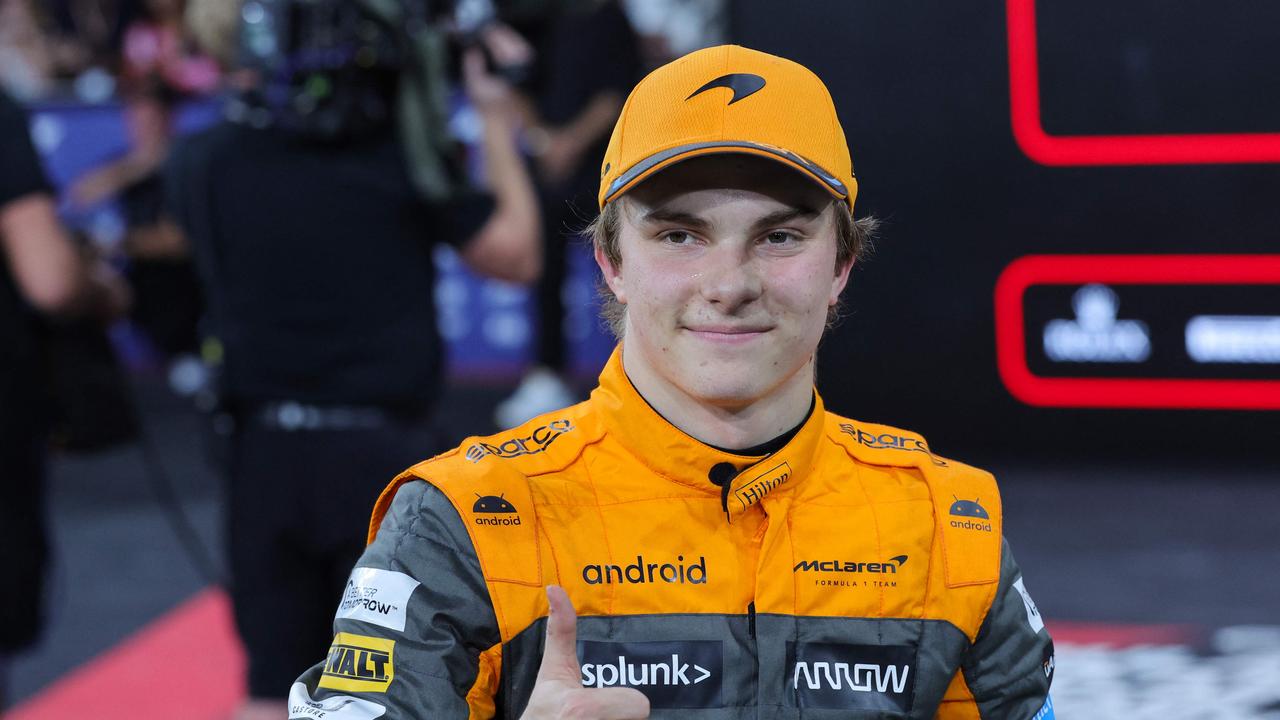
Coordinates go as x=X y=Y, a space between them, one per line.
x=728 y=270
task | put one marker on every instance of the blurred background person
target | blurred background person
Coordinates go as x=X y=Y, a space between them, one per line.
x=26 y=53
x=670 y=28
x=42 y=273
x=156 y=49
x=588 y=58
x=160 y=70
x=314 y=247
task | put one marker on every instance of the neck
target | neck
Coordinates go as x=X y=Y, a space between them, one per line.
x=729 y=425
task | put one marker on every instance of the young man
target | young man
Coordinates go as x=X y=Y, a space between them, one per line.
x=729 y=546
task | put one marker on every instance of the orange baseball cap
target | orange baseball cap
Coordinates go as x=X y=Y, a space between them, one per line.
x=728 y=99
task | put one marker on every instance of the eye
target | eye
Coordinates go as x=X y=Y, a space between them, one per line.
x=678 y=237
x=779 y=237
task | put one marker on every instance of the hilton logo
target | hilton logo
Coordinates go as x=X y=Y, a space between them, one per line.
x=752 y=492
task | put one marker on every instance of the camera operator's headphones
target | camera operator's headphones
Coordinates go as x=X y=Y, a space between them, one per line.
x=337 y=69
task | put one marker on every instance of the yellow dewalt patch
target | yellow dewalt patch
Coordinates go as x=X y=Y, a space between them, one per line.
x=358 y=663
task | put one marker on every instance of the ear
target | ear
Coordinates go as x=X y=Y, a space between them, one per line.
x=612 y=275
x=838 y=282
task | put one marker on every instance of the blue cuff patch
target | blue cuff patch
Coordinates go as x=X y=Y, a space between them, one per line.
x=1046 y=712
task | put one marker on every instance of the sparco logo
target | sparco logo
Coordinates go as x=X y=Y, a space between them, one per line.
x=537 y=441
x=889 y=441
x=639 y=572
x=847 y=677
x=671 y=674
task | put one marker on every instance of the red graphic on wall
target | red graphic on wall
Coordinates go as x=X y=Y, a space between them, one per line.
x=1214 y=394
x=1060 y=150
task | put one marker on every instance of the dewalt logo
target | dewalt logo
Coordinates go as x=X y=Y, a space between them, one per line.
x=358 y=663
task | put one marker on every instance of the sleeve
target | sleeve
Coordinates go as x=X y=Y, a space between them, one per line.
x=415 y=632
x=1010 y=666
x=20 y=170
x=462 y=218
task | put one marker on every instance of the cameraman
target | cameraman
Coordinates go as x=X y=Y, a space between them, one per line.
x=316 y=257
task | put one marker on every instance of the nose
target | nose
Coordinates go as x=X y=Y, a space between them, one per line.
x=730 y=278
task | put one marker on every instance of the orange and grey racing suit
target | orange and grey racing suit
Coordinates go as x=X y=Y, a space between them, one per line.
x=852 y=573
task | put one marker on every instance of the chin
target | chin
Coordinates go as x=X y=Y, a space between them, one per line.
x=727 y=391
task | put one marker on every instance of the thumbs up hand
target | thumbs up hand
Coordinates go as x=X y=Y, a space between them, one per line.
x=558 y=692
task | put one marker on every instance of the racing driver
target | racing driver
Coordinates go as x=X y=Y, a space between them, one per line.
x=700 y=538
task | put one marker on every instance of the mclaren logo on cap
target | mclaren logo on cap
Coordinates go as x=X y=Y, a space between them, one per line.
x=742 y=84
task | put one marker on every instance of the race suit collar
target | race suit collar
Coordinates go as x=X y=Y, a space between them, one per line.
x=741 y=481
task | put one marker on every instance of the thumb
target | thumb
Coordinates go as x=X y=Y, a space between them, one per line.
x=560 y=655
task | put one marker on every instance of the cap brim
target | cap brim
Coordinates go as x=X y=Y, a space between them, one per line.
x=652 y=164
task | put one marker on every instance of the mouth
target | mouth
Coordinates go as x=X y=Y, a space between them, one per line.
x=727 y=334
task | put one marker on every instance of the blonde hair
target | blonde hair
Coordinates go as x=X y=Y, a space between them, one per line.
x=853 y=242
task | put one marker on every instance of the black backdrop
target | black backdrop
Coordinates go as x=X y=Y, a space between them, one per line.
x=923 y=90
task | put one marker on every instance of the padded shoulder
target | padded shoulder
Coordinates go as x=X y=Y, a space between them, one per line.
x=876 y=444
x=547 y=443
x=968 y=513
x=487 y=480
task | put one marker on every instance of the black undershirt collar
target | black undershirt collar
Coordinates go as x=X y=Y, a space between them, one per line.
x=765 y=448
x=769 y=447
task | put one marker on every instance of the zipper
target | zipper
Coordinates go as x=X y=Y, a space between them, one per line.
x=751 y=619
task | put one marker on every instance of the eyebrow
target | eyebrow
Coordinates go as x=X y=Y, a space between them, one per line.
x=663 y=216
x=675 y=217
x=782 y=217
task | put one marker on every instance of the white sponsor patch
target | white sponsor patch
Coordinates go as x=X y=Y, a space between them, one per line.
x=1033 y=615
x=337 y=707
x=376 y=596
